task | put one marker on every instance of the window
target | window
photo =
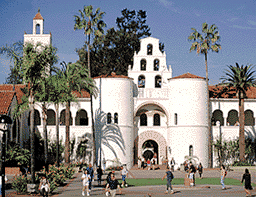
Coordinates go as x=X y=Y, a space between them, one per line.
x=81 y=118
x=217 y=116
x=37 y=118
x=176 y=119
x=149 y=49
x=109 y=118
x=158 y=81
x=156 y=65
x=190 y=150
x=141 y=81
x=63 y=118
x=249 y=119
x=116 y=118
x=143 y=64
x=37 y=29
x=156 y=120
x=232 y=117
x=51 y=120
x=143 y=120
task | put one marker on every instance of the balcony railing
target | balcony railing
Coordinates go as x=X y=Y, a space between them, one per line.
x=153 y=93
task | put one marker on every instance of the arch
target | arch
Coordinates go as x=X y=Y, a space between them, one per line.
x=37 y=28
x=51 y=117
x=143 y=120
x=156 y=64
x=217 y=116
x=232 y=117
x=141 y=81
x=150 y=49
x=37 y=118
x=109 y=118
x=158 y=81
x=249 y=118
x=81 y=118
x=144 y=104
x=143 y=65
x=63 y=118
x=116 y=118
x=190 y=153
x=156 y=120
x=149 y=147
x=154 y=136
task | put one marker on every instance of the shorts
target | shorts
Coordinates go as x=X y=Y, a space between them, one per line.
x=249 y=187
x=123 y=177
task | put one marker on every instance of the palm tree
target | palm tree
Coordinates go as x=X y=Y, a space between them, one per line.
x=35 y=63
x=203 y=42
x=91 y=23
x=240 y=78
x=76 y=78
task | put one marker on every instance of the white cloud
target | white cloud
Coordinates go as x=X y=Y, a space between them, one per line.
x=232 y=19
x=243 y=27
x=250 y=22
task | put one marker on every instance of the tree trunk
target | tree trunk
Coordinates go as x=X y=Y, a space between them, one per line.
x=241 y=128
x=209 y=118
x=67 y=143
x=32 y=136
x=57 y=133
x=45 y=137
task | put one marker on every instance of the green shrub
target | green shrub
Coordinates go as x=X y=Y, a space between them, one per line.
x=20 y=184
x=240 y=163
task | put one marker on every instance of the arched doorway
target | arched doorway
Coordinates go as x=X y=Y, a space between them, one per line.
x=149 y=147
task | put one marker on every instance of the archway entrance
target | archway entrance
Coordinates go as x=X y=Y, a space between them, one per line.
x=150 y=147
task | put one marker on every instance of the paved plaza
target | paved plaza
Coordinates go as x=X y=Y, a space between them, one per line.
x=74 y=186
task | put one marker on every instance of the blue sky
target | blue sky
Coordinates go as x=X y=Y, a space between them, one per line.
x=170 y=22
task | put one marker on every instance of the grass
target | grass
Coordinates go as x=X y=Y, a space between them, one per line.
x=180 y=181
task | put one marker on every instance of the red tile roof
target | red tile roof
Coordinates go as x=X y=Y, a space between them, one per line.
x=85 y=94
x=6 y=98
x=218 y=91
x=187 y=75
x=38 y=16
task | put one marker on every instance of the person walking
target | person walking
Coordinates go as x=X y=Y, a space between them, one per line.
x=113 y=185
x=124 y=175
x=247 y=182
x=108 y=181
x=172 y=163
x=192 y=171
x=170 y=177
x=44 y=186
x=90 y=172
x=200 y=170
x=143 y=162
x=99 y=175
x=223 y=174
x=85 y=178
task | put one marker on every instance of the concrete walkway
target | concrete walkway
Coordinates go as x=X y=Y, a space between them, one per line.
x=74 y=186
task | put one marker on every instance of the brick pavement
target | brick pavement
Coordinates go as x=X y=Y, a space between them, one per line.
x=73 y=187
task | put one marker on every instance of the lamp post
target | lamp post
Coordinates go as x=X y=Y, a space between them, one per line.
x=4 y=120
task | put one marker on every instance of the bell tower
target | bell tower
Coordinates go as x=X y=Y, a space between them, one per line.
x=38 y=35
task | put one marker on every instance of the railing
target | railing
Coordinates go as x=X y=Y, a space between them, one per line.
x=153 y=93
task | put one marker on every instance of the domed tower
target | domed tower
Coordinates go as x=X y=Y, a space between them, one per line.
x=188 y=133
x=38 y=35
x=113 y=111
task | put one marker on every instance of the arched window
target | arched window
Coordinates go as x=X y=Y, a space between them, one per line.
x=37 y=29
x=37 y=118
x=116 y=118
x=109 y=118
x=156 y=120
x=175 y=118
x=190 y=150
x=141 y=81
x=158 y=81
x=217 y=116
x=51 y=120
x=143 y=120
x=156 y=65
x=249 y=119
x=149 y=49
x=63 y=118
x=232 y=117
x=81 y=118
x=143 y=64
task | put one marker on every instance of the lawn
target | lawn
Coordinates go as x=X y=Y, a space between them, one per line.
x=180 y=181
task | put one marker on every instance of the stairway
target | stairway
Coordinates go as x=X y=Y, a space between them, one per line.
x=157 y=167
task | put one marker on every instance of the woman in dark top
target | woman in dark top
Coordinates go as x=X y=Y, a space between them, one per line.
x=200 y=170
x=247 y=182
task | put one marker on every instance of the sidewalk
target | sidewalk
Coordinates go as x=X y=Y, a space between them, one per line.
x=74 y=186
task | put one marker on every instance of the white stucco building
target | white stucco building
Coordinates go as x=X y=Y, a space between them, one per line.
x=149 y=111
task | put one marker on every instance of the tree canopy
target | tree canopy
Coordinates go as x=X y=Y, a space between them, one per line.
x=114 y=51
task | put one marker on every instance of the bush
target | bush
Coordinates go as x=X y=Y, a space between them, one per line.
x=116 y=168
x=240 y=163
x=20 y=183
